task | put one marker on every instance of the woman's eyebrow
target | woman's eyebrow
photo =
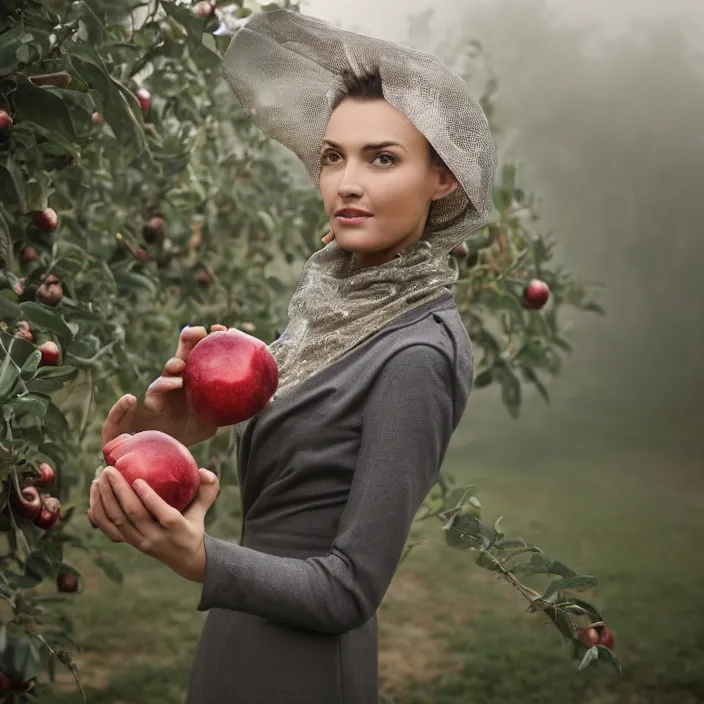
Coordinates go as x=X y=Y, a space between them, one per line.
x=373 y=146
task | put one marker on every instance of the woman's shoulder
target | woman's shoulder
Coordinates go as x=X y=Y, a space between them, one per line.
x=433 y=335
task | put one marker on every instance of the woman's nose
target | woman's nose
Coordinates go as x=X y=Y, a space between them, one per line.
x=350 y=185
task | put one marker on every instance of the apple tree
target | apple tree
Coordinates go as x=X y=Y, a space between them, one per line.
x=137 y=197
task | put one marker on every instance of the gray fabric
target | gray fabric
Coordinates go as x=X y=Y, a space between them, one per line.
x=331 y=478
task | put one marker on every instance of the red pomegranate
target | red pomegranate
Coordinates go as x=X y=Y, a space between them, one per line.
x=163 y=462
x=229 y=377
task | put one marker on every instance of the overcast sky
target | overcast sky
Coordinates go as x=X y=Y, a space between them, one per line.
x=386 y=18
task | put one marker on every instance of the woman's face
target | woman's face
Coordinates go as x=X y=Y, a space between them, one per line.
x=374 y=160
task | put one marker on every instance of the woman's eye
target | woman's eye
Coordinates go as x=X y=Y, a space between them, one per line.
x=387 y=156
x=323 y=157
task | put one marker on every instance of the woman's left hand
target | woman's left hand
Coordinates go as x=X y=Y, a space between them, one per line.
x=139 y=516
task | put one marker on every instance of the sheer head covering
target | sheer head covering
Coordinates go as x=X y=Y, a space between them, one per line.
x=285 y=69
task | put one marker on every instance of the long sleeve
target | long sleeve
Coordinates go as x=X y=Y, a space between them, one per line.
x=406 y=428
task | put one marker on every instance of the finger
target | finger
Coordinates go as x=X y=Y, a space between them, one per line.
x=174 y=367
x=120 y=516
x=128 y=502
x=99 y=518
x=120 y=418
x=218 y=328
x=205 y=497
x=165 y=514
x=188 y=339
x=162 y=384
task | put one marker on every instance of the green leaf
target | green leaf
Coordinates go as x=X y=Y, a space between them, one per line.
x=185 y=17
x=267 y=221
x=538 y=564
x=12 y=184
x=484 y=560
x=479 y=241
x=56 y=420
x=9 y=373
x=39 y=565
x=110 y=568
x=3 y=638
x=25 y=658
x=10 y=42
x=484 y=378
x=43 y=107
x=510 y=391
x=47 y=318
x=589 y=657
x=30 y=404
x=594 y=614
x=562 y=569
x=31 y=365
x=96 y=33
x=531 y=377
x=578 y=583
x=50 y=379
x=608 y=660
x=9 y=310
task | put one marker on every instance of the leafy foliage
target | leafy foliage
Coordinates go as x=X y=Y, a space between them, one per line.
x=137 y=197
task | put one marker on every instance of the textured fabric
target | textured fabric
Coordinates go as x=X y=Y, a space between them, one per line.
x=331 y=477
x=284 y=68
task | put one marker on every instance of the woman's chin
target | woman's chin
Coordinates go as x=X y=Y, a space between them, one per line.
x=359 y=244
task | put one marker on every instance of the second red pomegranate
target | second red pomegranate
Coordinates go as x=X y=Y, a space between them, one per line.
x=229 y=377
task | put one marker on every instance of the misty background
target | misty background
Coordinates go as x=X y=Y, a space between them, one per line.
x=602 y=103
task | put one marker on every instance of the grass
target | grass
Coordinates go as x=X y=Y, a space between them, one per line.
x=451 y=633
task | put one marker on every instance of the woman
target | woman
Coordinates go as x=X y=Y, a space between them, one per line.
x=375 y=371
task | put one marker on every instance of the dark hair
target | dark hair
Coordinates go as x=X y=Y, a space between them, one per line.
x=367 y=86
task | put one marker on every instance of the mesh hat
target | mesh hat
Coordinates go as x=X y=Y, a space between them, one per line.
x=285 y=69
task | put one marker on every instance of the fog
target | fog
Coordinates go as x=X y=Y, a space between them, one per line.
x=603 y=105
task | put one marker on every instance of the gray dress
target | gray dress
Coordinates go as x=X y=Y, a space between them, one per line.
x=331 y=477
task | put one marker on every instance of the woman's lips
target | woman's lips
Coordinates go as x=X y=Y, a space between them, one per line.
x=352 y=220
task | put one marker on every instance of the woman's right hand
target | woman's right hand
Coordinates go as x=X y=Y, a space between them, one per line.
x=164 y=406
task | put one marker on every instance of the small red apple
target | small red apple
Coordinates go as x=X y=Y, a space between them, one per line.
x=588 y=636
x=18 y=286
x=460 y=251
x=229 y=377
x=203 y=277
x=50 y=353
x=24 y=331
x=29 y=505
x=28 y=254
x=51 y=292
x=142 y=255
x=145 y=100
x=50 y=514
x=606 y=637
x=5 y=124
x=203 y=9
x=154 y=229
x=536 y=294
x=46 y=474
x=96 y=118
x=46 y=220
x=162 y=461
x=67 y=583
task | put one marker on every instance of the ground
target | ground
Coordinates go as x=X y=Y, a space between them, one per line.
x=450 y=633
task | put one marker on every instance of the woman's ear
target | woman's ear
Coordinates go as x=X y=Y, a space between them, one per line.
x=446 y=183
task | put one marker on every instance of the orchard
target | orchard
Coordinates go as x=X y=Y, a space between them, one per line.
x=137 y=197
